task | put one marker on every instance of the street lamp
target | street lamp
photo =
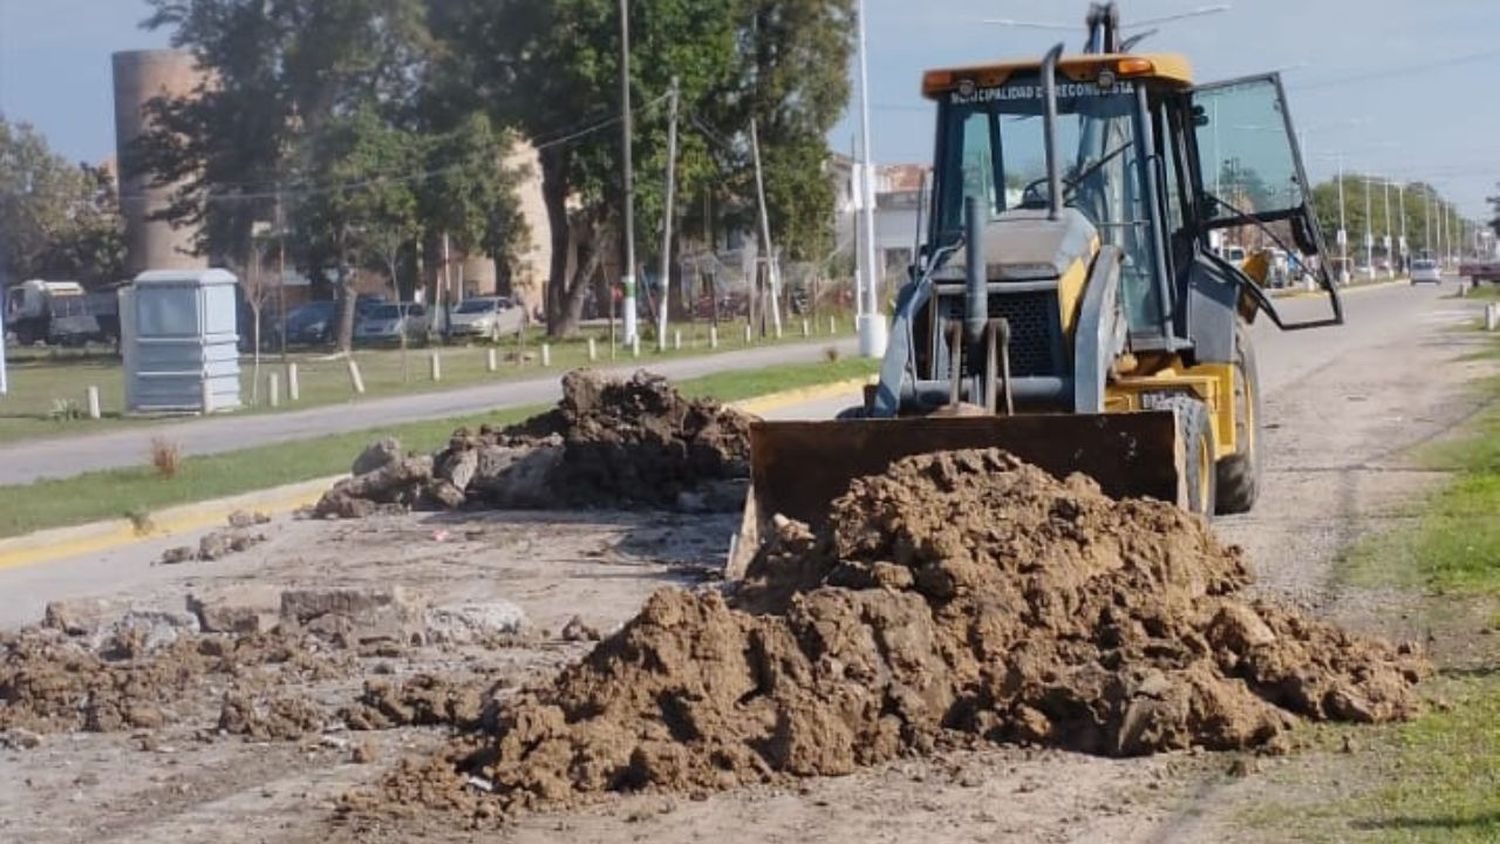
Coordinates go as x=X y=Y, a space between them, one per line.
x=871 y=322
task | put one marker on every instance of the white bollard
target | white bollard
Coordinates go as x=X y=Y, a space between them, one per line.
x=437 y=366
x=677 y=339
x=635 y=346
x=491 y=360
x=546 y=355
x=593 y=350
x=806 y=331
x=1491 y=317
x=833 y=325
x=356 y=380
x=713 y=337
x=91 y=397
x=207 y=396
x=747 y=335
x=293 y=385
x=273 y=388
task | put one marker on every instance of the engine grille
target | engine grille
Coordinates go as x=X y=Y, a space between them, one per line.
x=1036 y=347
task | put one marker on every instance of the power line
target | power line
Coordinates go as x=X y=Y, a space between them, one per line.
x=306 y=189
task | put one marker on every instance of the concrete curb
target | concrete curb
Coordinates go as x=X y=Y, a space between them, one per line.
x=97 y=537
x=59 y=543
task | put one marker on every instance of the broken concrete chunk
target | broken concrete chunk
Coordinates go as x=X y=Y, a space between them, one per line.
x=19 y=738
x=475 y=623
x=242 y=519
x=248 y=608
x=458 y=467
x=356 y=616
x=576 y=630
x=82 y=616
x=376 y=456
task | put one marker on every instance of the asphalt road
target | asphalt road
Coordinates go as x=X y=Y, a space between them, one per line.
x=32 y=460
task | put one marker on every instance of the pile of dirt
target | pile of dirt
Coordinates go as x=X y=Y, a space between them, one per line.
x=50 y=682
x=608 y=443
x=425 y=700
x=959 y=597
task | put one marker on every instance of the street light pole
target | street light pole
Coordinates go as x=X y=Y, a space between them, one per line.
x=872 y=327
x=1390 y=258
x=628 y=275
x=1401 y=207
x=1343 y=228
x=1369 y=230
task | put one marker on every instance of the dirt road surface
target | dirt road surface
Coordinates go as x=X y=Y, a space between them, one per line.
x=1342 y=407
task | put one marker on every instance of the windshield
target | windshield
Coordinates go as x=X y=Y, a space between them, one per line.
x=386 y=312
x=1424 y=265
x=993 y=146
x=478 y=306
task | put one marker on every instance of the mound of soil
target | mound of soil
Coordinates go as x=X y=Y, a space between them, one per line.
x=608 y=443
x=51 y=683
x=962 y=595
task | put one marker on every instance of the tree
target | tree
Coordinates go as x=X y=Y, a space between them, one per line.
x=469 y=193
x=279 y=72
x=57 y=220
x=367 y=205
x=1494 y=202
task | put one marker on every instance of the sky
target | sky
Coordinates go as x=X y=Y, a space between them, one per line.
x=1401 y=88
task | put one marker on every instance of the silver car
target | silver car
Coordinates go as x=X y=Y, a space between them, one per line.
x=1426 y=271
x=486 y=317
x=386 y=323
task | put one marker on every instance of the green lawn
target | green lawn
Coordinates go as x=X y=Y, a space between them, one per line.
x=47 y=386
x=118 y=492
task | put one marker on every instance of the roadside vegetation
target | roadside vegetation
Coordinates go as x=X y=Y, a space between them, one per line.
x=145 y=488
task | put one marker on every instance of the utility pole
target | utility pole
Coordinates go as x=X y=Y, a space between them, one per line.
x=872 y=327
x=1427 y=220
x=1369 y=230
x=1343 y=227
x=1401 y=206
x=628 y=274
x=281 y=269
x=765 y=231
x=666 y=223
x=1390 y=256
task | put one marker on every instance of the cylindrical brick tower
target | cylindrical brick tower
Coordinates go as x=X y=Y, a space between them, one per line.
x=140 y=76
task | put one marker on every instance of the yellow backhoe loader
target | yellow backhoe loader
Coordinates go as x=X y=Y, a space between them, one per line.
x=1066 y=305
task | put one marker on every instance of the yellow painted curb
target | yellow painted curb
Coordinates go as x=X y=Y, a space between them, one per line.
x=775 y=401
x=60 y=543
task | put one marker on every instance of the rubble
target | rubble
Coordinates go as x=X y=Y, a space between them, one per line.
x=356 y=616
x=608 y=443
x=958 y=597
x=474 y=624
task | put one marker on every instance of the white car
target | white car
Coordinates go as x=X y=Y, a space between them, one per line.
x=486 y=317
x=386 y=323
x=1426 y=270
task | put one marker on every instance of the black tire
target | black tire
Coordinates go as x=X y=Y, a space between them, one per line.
x=1196 y=433
x=1239 y=474
x=856 y=412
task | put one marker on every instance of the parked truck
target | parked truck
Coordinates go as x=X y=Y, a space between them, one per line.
x=1480 y=269
x=61 y=313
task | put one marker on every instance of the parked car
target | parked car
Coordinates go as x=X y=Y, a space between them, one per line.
x=312 y=323
x=487 y=317
x=386 y=323
x=1426 y=270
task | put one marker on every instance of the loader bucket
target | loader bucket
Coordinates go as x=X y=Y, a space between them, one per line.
x=799 y=468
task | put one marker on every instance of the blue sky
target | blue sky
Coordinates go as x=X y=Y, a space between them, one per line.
x=1400 y=87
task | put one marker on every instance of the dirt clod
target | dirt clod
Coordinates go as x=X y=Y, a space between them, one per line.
x=1031 y=611
x=577 y=630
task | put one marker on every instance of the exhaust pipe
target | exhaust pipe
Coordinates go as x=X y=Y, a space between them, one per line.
x=1049 y=131
x=976 y=278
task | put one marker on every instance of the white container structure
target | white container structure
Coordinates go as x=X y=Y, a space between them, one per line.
x=180 y=339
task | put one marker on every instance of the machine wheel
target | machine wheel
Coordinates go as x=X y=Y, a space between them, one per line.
x=856 y=412
x=1196 y=433
x=1239 y=474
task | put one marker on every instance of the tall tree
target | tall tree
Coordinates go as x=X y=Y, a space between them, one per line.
x=362 y=202
x=279 y=70
x=57 y=219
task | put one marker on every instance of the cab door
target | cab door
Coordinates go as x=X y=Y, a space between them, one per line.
x=1248 y=170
